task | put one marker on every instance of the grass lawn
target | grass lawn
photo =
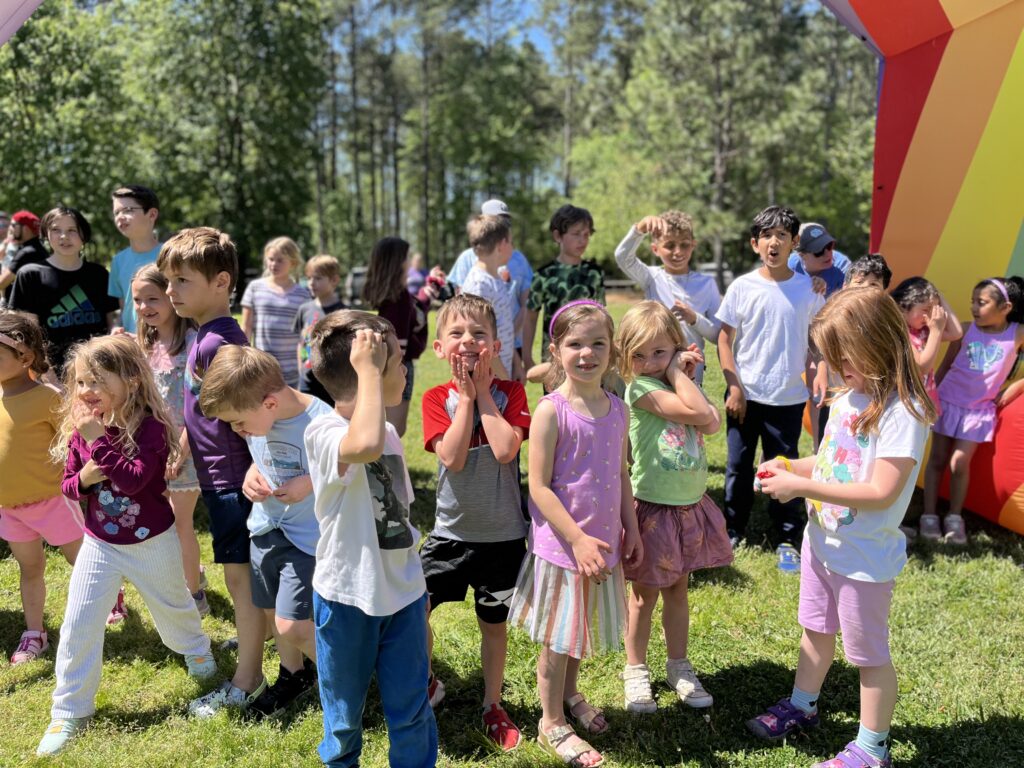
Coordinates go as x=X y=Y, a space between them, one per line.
x=958 y=645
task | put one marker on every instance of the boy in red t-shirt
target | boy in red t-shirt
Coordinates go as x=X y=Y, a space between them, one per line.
x=476 y=424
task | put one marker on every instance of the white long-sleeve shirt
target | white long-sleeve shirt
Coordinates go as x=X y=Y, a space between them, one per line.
x=695 y=289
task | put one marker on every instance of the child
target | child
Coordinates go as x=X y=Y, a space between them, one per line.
x=681 y=528
x=871 y=270
x=691 y=296
x=930 y=322
x=570 y=595
x=67 y=295
x=369 y=600
x=32 y=506
x=568 y=278
x=269 y=305
x=323 y=274
x=166 y=338
x=475 y=423
x=763 y=350
x=115 y=439
x=970 y=378
x=384 y=291
x=857 y=490
x=490 y=237
x=245 y=388
x=135 y=210
x=201 y=265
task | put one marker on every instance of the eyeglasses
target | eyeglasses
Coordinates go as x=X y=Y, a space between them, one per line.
x=828 y=247
x=128 y=209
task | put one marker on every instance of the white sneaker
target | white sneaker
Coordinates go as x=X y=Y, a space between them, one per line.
x=201 y=666
x=683 y=680
x=227 y=695
x=58 y=733
x=637 y=684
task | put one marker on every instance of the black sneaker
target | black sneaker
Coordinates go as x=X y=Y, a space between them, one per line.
x=290 y=688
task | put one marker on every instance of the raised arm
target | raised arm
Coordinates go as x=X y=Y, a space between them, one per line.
x=364 y=441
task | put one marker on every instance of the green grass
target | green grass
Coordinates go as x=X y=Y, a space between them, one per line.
x=958 y=644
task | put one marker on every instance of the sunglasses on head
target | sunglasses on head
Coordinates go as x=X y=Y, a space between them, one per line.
x=828 y=247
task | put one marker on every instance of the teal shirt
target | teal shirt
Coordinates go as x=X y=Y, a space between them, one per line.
x=669 y=463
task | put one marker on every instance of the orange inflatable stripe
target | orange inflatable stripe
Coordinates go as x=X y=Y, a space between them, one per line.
x=990 y=193
x=1012 y=514
x=960 y=12
x=899 y=25
x=948 y=132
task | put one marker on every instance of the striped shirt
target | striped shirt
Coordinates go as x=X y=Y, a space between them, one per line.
x=273 y=323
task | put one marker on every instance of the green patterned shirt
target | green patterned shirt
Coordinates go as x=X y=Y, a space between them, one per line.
x=556 y=284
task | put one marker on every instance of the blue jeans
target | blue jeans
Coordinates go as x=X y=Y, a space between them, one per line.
x=778 y=428
x=350 y=647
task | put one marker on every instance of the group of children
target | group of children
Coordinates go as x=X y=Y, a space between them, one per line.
x=308 y=492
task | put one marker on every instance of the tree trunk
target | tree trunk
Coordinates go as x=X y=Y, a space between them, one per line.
x=353 y=62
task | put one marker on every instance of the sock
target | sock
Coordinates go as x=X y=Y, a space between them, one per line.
x=874 y=743
x=808 y=702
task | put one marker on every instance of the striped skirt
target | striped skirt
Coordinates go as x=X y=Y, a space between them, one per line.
x=568 y=612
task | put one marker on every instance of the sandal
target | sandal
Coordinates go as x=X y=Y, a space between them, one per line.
x=586 y=719
x=554 y=743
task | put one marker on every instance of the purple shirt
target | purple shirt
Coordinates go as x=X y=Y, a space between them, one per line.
x=586 y=476
x=221 y=456
x=130 y=505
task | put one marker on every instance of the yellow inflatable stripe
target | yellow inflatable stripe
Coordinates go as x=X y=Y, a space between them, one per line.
x=960 y=12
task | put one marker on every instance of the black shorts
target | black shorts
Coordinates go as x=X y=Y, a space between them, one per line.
x=229 y=510
x=491 y=568
x=282 y=576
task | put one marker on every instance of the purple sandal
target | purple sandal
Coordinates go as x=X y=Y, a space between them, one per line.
x=854 y=757
x=781 y=720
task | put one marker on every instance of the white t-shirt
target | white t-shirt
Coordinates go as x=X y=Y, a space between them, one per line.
x=499 y=294
x=771 y=320
x=695 y=289
x=367 y=555
x=863 y=545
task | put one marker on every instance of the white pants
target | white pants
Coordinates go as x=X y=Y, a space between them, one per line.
x=154 y=567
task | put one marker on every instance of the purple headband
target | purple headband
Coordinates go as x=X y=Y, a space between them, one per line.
x=13 y=343
x=1001 y=286
x=560 y=310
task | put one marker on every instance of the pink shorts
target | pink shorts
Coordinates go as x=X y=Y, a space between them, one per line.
x=58 y=520
x=830 y=603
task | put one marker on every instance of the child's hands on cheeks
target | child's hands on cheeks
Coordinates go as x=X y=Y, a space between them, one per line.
x=483 y=374
x=686 y=361
x=587 y=551
x=463 y=377
x=369 y=352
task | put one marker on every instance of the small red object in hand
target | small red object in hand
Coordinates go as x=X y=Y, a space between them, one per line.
x=765 y=473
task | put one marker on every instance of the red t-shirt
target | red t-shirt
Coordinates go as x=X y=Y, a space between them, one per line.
x=439 y=405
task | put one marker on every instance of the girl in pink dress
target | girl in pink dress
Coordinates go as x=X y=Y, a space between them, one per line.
x=571 y=595
x=970 y=379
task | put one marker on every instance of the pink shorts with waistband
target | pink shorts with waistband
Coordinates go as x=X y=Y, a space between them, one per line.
x=57 y=519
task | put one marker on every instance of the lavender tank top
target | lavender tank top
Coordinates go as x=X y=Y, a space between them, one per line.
x=587 y=478
x=980 y=368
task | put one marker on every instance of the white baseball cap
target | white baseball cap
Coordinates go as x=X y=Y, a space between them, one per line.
x=495 y=208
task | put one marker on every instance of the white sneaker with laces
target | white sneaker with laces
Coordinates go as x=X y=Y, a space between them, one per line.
x=227 y=695
x=683 y=680
x=637 y=685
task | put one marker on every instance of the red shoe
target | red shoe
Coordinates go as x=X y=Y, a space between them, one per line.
x=435 y=691
x=500 y=729
x=119 y=612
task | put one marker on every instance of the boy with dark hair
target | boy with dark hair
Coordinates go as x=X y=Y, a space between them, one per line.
x=201 y=266
x=490 y=237
x=246 y=388
x=763 y=348
x=135 y=210
x=476 y=423
x=369 y=600
x=870 y=270
x=324 y=275
x=568 y=278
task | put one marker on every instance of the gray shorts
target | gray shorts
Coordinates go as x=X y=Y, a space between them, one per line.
x=282 y=576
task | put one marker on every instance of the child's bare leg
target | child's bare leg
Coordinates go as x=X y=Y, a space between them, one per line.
x=294 y=640
x=183 y=504
x=676 y=617
x=941 y=447
x=32 y=565
x=493 y=650
x=642 y=601
x=816 y=653
x=878 y=690
x=70 y=550
x=960 y=474
x=551 y=685
x=251 y=625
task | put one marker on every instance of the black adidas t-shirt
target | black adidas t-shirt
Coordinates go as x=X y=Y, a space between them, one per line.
x=72 y=306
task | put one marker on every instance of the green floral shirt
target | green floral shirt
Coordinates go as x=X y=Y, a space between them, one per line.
x=556 y=284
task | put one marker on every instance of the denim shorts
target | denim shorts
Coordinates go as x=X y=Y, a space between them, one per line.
x=229 y=509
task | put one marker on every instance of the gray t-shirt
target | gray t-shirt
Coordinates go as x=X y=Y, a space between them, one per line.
x=481 y=502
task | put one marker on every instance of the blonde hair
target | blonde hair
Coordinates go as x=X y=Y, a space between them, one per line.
x=676 y=222
x=122 y=357
x=487 y=232
x=325 y=265
x=564 y=322
x=643 y=323
x=238 y=379
x=147 y=334
x=287 y=248
x=470 y=306
x=865 y=327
